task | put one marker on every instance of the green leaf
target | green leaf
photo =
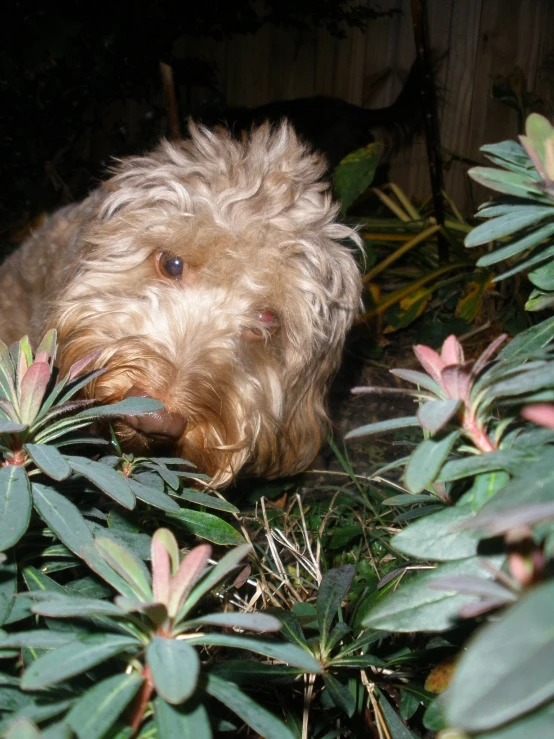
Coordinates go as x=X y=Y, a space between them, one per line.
x=409 y=499
x=22 y=728
x=62 y=516
x=25 y=350
x=186 y=722
x=344 y=535
x=408 y=705
x=539 y=301
x=139 y=544
x=539 y=257
x=457 y=469
x=433 y=718
x=62 y=730
x=48 y=344
x=226 y=565
x=99 y=565
x=48 y=460
x=418 y=378
x=207 y=526
x=127 y=407
x=509 y=154
x=8 y=427
x=74 y=658
x=127 y=565
x=70 y=389
x=153 y=497
x=339 y=694
x=534 y=484
x=75 y=606
x=36 y=579
x=396 y=726
x=260 y=622
x=510 y=183
x=288 y=653
x=438 y=538
x=355 y=173
x=535 y=725
x=543 y=277
x=167 y=475
x=109 y=481
x=426 y=462
x=538 y=130
x=291 y=627
x=414 y=606
x=15 y=505
x=485 y=486
x=435 y=414
x=524 y=382
x=8 y=589
x=175 y=667
x=38 y=639
x=383 y=426
x=516 y=247
x=362 y=661
x=263 y=722
x=250 y=672
x=208 y=501
x=96 y=712
x=518 y=218
x=506 y=669
x=332 y=592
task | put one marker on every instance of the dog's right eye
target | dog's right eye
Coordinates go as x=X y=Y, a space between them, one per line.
x=170 y=266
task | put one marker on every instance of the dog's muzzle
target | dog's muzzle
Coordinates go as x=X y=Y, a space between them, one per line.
x=162 y=426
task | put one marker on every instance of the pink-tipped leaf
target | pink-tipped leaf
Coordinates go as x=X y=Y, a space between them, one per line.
x=169 y=541
x=161 y=571
x=32 y=390
x=540 y=413
x=430 y=361
x=452 y=352
x=190 y=570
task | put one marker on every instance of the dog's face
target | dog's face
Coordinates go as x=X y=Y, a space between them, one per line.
x=212 y=280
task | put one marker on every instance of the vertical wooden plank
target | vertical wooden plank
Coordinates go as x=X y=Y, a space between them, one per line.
x=542 y=81
x=458 y=96
x=412 y=166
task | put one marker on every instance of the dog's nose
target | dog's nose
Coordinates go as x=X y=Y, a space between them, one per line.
x=162 y=425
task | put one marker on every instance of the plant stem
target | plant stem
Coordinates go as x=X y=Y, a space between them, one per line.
x=136 y=710
x=478 y=434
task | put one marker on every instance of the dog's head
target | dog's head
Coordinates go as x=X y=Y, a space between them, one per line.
x=213 y=278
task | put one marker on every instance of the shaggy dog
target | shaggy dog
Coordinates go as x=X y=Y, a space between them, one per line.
x=210 y=275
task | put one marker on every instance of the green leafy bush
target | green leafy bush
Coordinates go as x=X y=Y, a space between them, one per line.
x=105 y=647
x=486 y=460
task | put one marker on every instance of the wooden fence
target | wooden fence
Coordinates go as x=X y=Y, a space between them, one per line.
x=481 y=39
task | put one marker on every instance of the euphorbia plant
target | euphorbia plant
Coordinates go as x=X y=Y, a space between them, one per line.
x=150 y=637
x=465 y=395
x=39 y=415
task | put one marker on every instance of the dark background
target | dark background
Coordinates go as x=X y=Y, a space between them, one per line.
x=80 y=82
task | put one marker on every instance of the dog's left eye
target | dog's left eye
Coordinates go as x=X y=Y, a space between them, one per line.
x=168 y=265
x=265 y=323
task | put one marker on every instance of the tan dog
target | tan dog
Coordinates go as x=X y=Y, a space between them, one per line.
x=211 y=276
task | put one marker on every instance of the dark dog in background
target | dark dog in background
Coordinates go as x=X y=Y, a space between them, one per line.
x=334 y=127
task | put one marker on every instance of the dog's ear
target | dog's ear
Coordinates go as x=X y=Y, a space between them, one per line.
x=314 y=360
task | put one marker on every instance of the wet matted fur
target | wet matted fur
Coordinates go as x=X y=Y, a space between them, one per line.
x=210 y=274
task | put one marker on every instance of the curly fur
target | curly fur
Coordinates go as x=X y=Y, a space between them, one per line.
x=255 y=227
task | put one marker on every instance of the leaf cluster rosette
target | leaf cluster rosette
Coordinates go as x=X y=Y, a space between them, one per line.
x=149 y=635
